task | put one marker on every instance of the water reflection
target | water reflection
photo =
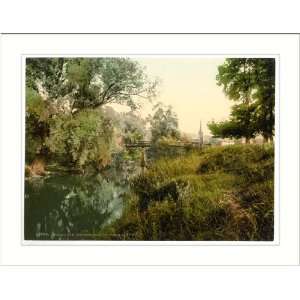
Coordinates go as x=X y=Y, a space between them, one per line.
x=71 y=207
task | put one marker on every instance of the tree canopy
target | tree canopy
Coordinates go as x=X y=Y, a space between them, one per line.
x=65 y=99
x=90 y=82
x=250 y=82
x=164 y=123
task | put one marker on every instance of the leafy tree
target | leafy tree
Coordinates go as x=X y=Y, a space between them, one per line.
x=132 y=127
x=164 y=123
x=46 y=76
x=265 y=96
x=251 y=83
x=63 y=100
x=129 y=126
x=240 y=123
x=90 y=82
x=82 y=140
x=164 y=132
x=37 y=126
x=237 y=77
x=101 y=81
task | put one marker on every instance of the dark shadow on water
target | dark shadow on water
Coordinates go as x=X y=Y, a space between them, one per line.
x=71 y=207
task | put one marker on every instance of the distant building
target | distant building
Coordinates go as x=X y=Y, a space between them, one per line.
x=231 y=141
x=200 y=136
x=257 y=140
x=215 y=140
x=226 y=142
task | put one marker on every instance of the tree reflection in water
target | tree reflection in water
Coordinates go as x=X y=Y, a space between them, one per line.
x=71 y=207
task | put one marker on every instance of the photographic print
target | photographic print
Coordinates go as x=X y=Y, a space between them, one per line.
x=149 y=148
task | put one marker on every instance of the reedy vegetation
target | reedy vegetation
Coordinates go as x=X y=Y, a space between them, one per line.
x=222 y=193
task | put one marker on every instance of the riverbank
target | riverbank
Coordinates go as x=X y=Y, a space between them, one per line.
x=222 y=193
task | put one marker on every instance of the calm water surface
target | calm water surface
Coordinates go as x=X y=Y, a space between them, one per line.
x=72 y=207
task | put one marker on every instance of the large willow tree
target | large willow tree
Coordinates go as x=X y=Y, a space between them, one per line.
x=74 y=90
x=90 y=82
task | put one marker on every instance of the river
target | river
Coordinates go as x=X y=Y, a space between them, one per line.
x=72 y=207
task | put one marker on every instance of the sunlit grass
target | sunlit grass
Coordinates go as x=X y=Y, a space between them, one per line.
x=221 y=193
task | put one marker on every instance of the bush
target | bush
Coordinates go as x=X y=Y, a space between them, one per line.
x=83 y=139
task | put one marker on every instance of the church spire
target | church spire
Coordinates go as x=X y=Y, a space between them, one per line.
x=200 y=136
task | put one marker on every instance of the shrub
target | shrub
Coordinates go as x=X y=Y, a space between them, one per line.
x=83 y=139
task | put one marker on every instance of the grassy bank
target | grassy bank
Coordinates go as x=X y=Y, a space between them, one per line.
x=222 y=193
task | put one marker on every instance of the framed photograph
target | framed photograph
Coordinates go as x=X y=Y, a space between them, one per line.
x=139 y=149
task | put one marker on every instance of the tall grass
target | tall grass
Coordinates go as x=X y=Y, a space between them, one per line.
x=220 y=194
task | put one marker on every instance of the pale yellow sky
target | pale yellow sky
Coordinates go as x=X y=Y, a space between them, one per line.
x=189 y=86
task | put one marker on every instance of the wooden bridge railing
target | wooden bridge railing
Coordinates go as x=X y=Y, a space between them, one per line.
x=146 y=144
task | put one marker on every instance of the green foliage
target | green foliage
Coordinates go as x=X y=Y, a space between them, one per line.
x=129 y=128
x=253 y=163
x=265 y=96
x=90 y=82
x=241 y=123
x=164 y=132
x=83 y=139
x=62 y=101
x=37 y=127
x=223 y=193
x=225 y=129
x=251 y=82
x=166 y=147
x=99 y=81
x=237 y=75
x=46 y=75
x=132 y=127
x=164 y=123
